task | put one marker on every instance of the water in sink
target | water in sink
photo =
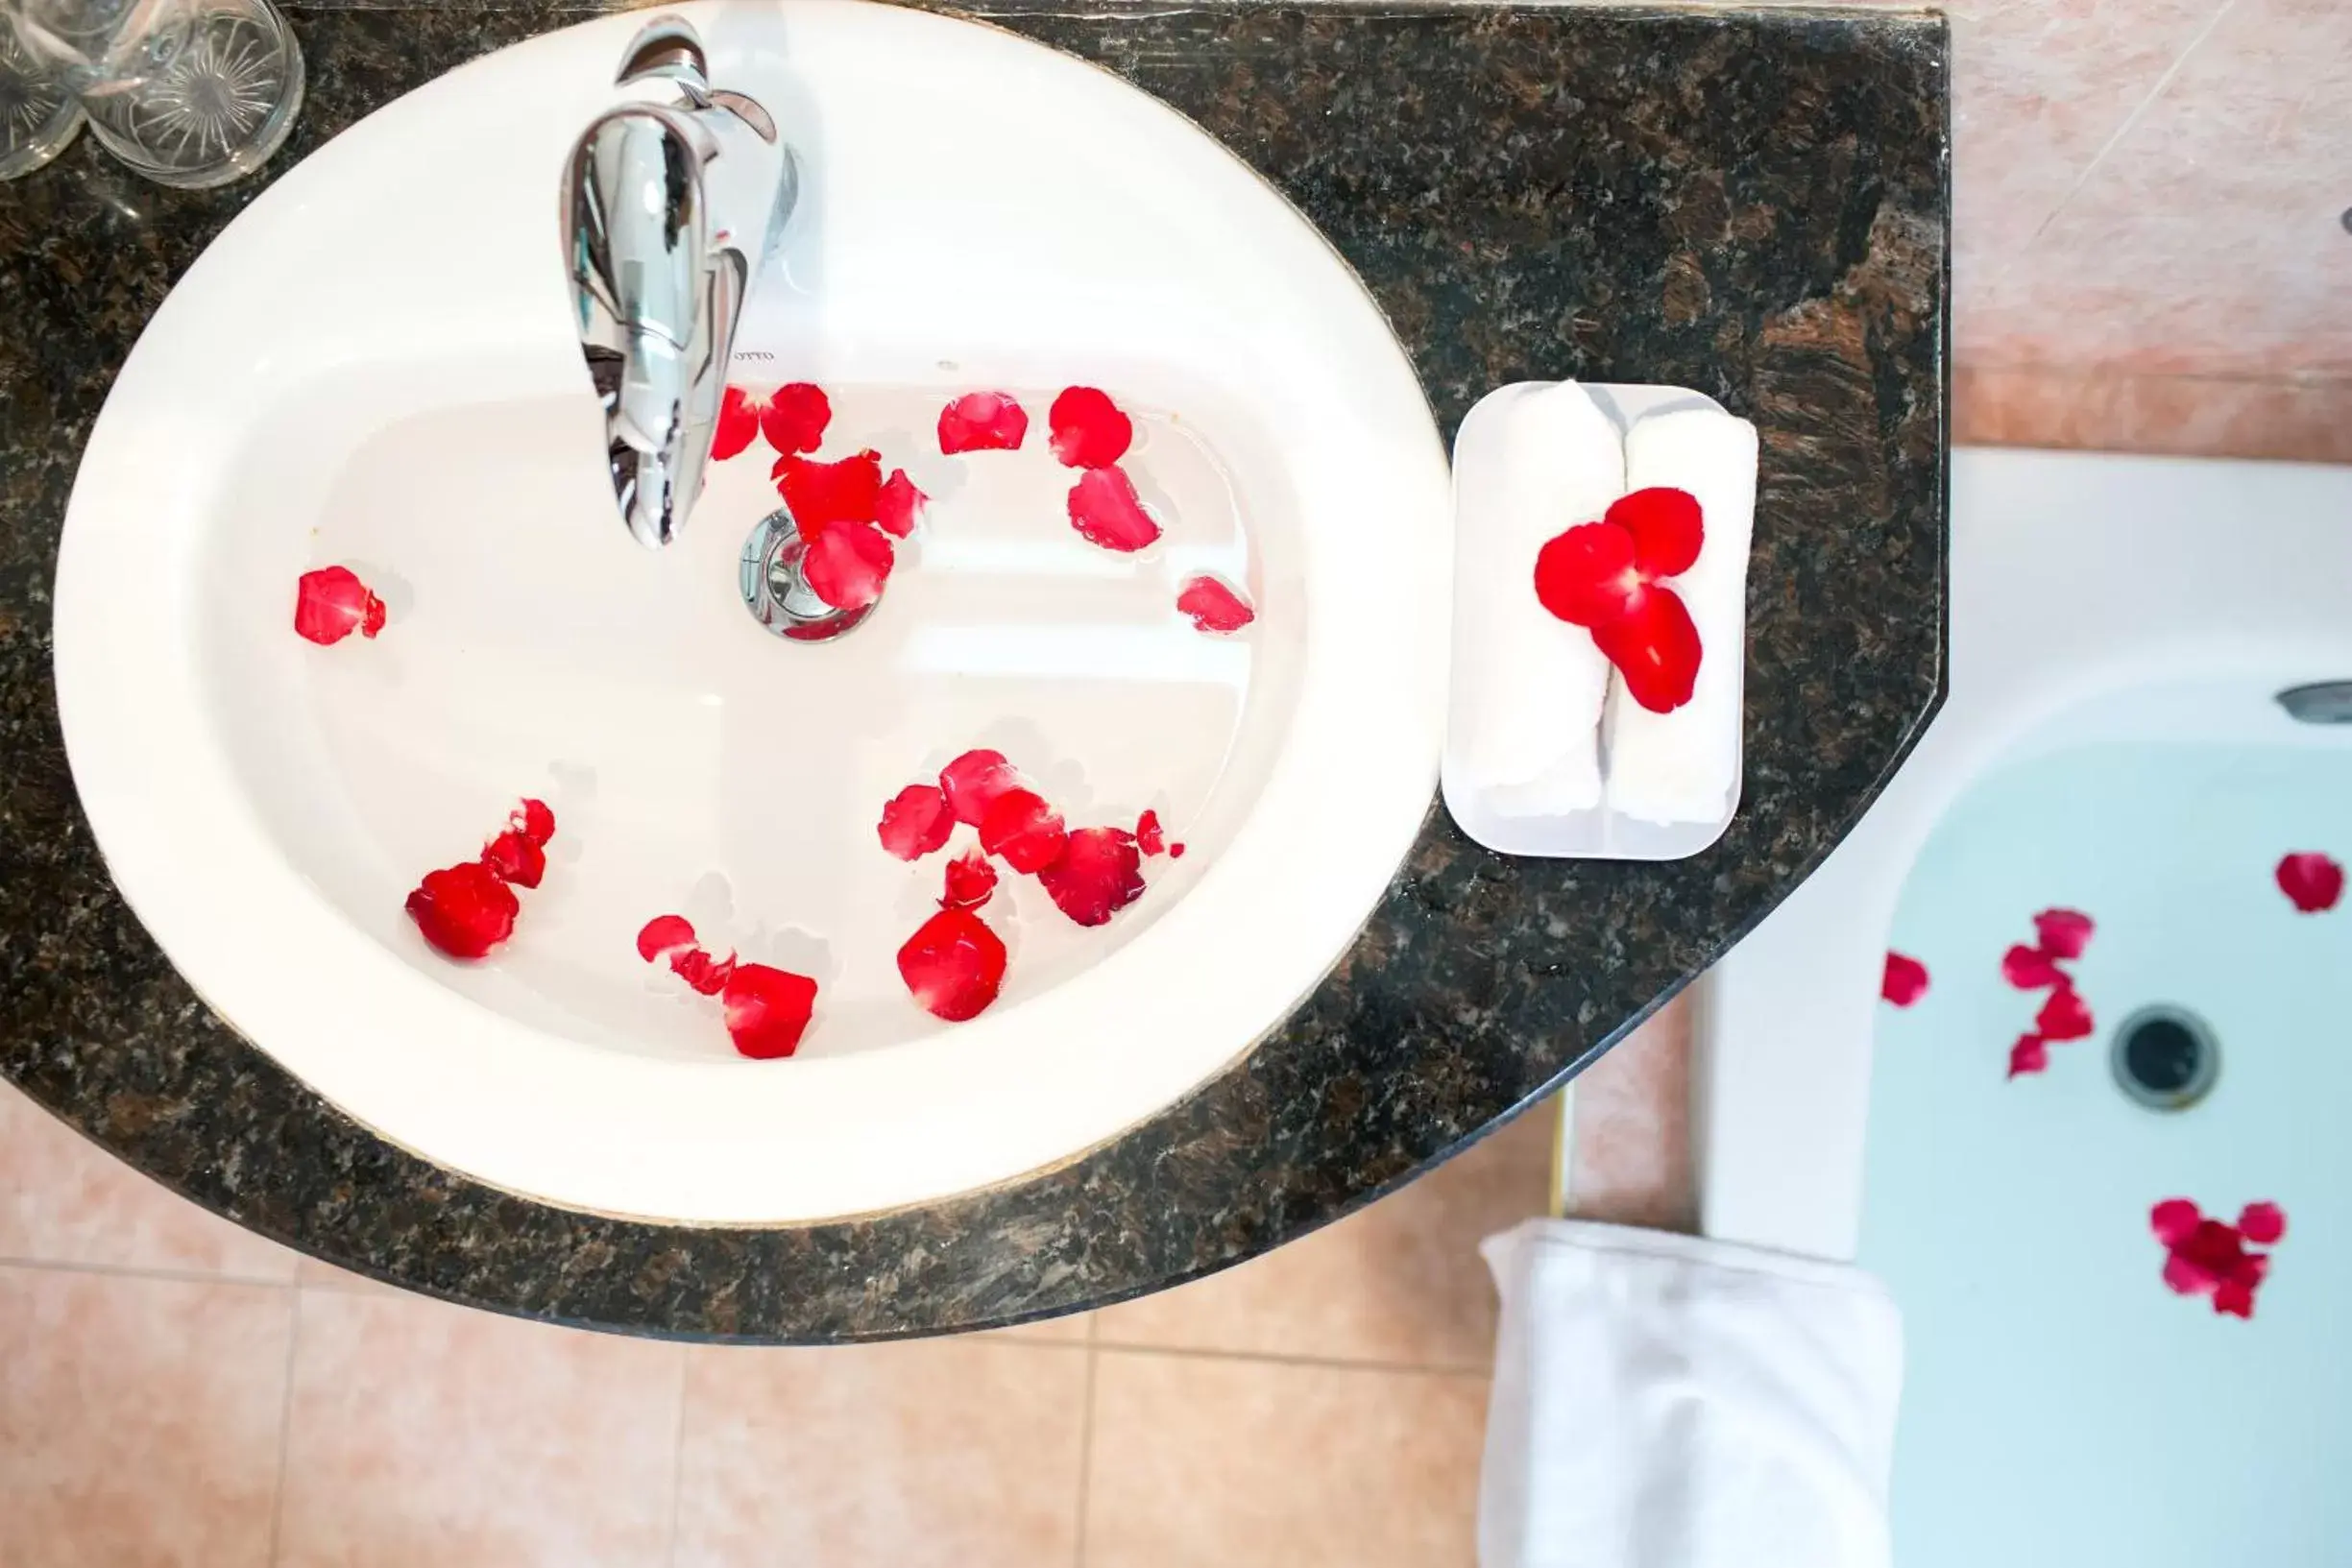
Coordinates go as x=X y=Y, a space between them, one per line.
x=699 y=764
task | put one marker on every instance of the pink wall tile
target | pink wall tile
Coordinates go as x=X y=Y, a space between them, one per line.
x=2209 y=241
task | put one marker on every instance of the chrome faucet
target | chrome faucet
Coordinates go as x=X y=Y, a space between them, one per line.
x=673 y=204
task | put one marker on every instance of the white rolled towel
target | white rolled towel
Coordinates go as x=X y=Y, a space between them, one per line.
x=1682 y=766
x=1529 y=687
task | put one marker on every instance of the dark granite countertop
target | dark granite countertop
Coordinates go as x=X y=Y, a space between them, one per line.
x=1750 y=203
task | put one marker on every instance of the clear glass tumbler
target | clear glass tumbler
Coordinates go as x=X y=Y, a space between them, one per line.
x=39 y=113
x=216 y=109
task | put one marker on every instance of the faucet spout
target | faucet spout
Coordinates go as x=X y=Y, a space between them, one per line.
x=673 y=201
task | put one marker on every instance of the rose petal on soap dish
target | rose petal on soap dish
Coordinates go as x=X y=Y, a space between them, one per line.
x=915 y=821
x=2312 y=882
x=332 y=603
x=2262 y=1223
x=953 y=965
x=1149 y=836
x=766 y=1009
x=1100 y=873
x=1587 y=576
x=705 y=973
x=1667 y=529
x=663 y=936
x=2031 y=968
x=899 y=507
x=971 y=879
x=2173 y=1220
x=820 y=495
x=1024 y=831
x=1087 y=429
x=2030 y=1054
x=1213 y=606
x=2063 y=933
x=983 y=422
x=848 y=565
x=534 y=821
x=1905 y=980
x=1105 y=510
x=974 y=781
x=1655 y=649
x=464 y=911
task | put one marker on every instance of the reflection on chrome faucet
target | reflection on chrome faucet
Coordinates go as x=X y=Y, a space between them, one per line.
x=671 y=212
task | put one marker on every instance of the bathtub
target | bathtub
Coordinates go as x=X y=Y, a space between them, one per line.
x=2112 y=740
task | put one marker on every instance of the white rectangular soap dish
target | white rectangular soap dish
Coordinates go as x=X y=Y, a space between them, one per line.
x=1599 y=834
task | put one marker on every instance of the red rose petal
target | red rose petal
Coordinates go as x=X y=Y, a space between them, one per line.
x=2262 y=1223
x=1655 y=649
x=664 y=934
x=915 y=821
x=899 y=507
x=2065 y=1016
x=795 y=418
x=2063 y=933
x=1088 y=430
x=514 y=858
x=698 y=969
x=1904 y=981
x=464 y=911
x=983 y=422
x=1176 y=851
x=2031 y=968
x=971 y=879
x=2312 y=882
x=847 y=565
x=1587 y=576
x=953 y=965
x=974 y=781
x=1666 y=528
x=2030 y=1054
x=533 y=821
x=820 y=495
x=1149 y=837
x=767 y=1009
x=1213 y=606
x=1023 y=829
x=1100 y=873
x=739 y=420
x=2173 y=1220
x=1105 y=510
x=2186 y=1278
x=332 y=603
x=2233 y=1299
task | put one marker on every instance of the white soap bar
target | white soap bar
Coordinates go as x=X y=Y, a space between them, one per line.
x=1682 y=767
x=1527 y=687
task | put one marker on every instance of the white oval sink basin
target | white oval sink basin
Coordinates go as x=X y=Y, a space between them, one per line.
x=374 y=366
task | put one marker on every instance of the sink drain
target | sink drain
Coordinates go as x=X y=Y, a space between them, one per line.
x=776 y=589
x=2165 y=1058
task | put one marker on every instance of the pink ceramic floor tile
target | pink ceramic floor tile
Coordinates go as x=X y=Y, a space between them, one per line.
x=421 y=1433
x=138 y=1419
x=64 y=1199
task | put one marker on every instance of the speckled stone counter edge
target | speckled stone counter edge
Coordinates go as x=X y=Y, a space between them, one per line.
x=1750 y=203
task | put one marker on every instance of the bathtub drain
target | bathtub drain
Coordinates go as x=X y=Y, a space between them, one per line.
x=2165 y=1058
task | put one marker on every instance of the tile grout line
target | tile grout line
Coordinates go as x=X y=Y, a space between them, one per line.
x=677 y=1461
x=1085 y=1451
x=115 y=1270
x=1328 y=1363
x=285 y=1431
x=2130 y=120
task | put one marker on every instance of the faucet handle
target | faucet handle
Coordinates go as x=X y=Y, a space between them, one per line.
x=668 y=49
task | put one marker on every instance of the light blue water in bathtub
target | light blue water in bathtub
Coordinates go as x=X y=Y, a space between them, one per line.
x=2063 y=1407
